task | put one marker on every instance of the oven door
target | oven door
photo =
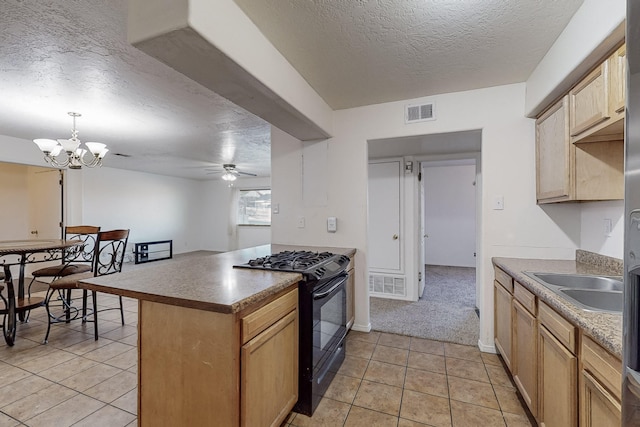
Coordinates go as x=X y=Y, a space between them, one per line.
x=329 y=321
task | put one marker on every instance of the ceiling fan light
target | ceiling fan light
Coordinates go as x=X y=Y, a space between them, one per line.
x=228 y=176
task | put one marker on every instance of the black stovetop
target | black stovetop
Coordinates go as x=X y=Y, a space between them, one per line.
x=311 y=264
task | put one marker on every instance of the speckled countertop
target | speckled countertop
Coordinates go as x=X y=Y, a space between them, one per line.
x=205 y=282
x=604 y=327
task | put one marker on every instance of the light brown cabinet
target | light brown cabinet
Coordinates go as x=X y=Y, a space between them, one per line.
x=525 y=355
x=267 y=399
x=589 y=101
x=597 y=101
x=600 y=386
x=617 y=82
x=558 y=386
x=565 y=377
x=579 y=139
x=555 y=155
x=502 y=315
x=230 y=369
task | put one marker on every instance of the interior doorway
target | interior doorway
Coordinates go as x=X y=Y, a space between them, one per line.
x=34 y=203
x=434 y=311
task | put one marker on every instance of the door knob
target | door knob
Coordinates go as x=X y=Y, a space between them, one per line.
x=395 y=237
x=34 y=232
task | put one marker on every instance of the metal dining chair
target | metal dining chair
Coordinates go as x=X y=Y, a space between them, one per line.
x=73 y=261
x=108 y=257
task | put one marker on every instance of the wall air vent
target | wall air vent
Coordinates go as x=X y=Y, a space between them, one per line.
x=384 y=284
x=419 y=113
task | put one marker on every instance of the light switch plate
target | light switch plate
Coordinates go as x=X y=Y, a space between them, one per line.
x=276 y=208
x=332 y=224
x=300 y=222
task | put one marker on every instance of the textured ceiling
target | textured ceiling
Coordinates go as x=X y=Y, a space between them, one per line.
x=362 y=52
x=60 y=56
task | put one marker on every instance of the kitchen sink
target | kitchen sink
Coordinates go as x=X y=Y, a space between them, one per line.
x=600 y=300
x=579 y=281
x=591 y=293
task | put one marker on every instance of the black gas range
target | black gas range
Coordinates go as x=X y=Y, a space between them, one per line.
x=322 y=315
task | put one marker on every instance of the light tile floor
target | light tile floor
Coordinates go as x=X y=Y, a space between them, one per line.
x=386 y=379
x=394 y=380
x=73 y=380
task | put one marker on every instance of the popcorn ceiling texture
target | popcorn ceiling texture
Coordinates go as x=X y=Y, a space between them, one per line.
x=356 y=53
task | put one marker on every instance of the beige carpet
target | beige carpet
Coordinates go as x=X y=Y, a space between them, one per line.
x=445 y=312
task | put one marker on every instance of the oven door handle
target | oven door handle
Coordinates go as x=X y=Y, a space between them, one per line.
x=333 y=288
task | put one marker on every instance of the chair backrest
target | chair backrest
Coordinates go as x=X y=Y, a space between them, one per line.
x=109 y=252
x=84 y=254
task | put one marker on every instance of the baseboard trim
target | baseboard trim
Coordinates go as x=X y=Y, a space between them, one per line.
x=487 y=348
x=361 y=328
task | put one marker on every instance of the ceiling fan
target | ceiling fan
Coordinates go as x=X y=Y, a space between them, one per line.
x=230 y=172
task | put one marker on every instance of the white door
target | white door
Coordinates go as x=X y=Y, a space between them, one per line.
x=45 y=203
x=384 y=215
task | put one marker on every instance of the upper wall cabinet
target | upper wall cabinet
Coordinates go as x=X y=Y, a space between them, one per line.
x=579 y=140
x=597 y=102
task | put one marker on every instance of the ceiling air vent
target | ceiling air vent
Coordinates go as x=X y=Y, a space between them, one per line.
x=419 y=113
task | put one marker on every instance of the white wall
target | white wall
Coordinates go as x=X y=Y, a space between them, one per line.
x=592 y=229
x=450 y=214
x=195 y=214
x=153 y=207
x=594 y=30
x=219 y=232
x=522 y=229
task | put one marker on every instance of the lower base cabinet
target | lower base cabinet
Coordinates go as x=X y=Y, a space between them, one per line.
x=524 y=354
x=270 y=397
x=598 y=408
x=558 y=406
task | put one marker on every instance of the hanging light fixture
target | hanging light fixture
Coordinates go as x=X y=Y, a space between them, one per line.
x=228 y=176
x=68 y=152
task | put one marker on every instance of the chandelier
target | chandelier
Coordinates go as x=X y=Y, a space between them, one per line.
x=68 y=152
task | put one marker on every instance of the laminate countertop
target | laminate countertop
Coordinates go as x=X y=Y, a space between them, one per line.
x=208 y=282
x=604 y=327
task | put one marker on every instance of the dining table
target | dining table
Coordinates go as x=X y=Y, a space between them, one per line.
x=20 y=253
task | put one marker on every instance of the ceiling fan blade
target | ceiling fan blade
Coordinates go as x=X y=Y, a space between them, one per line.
x=245 y=173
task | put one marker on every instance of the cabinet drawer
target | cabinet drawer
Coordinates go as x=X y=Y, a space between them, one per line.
x=604 y=366
x=266 y=316
x=526 y=298
x=564 y=331
x=504 y=279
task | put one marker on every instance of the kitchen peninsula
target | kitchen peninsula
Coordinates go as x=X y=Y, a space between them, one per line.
x=217 y=345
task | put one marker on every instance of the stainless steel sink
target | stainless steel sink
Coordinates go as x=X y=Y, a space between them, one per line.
x=578 y=281
x=601 y=300
x=592 y=293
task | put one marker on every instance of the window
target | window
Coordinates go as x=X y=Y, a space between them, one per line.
x=254 y=207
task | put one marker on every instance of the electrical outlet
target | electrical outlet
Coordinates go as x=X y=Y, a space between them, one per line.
x=498 y=203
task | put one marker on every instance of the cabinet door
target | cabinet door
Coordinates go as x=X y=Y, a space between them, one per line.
x=554 y=155
x=502 y=322
x=525 y=355
x=589 y=101
x=558 y=381
x=351 y=311
x=269 y=374
x=598 y=408
x=617 y=81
